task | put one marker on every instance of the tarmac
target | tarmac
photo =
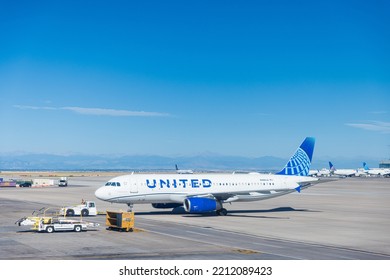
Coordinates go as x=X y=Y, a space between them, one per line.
x=343 y=219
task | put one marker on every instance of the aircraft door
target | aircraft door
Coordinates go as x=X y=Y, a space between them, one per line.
x=133 y=186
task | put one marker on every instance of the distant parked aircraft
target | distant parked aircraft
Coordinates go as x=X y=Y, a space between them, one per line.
x=319 y=172
x=341 y=172
x=183 y=171
x=376 y=171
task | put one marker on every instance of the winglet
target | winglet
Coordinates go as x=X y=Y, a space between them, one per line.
x=298 y=189
x=299 y=163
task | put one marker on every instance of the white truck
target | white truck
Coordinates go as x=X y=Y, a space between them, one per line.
x=86 y=208
x=63 y=182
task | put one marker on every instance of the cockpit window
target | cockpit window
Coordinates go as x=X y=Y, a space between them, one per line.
x=114 y=184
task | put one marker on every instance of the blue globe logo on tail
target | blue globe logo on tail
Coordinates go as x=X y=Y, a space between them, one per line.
x=299 y=163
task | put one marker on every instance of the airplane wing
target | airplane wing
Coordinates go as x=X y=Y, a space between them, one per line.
x=305 y=185
x=259 y=195
x=233 y=196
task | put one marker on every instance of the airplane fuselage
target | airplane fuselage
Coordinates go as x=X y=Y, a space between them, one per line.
x=166 y=188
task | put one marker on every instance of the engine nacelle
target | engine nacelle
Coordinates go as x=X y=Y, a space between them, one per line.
x=201 y=205
x=166 y=205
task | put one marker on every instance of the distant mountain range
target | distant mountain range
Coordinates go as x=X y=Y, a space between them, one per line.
x=209 y=162
x=137 y=162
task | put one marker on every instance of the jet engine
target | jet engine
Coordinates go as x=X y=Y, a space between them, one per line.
x=201 y=204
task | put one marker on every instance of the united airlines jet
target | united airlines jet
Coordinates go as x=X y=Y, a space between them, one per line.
x=200 y=193
x=376 y=171
x=183 y=171
x=341 y=172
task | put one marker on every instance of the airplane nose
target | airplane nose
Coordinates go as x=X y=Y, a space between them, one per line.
x=101 y=193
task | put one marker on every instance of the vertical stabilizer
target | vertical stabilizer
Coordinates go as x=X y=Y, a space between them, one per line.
x=299 y=163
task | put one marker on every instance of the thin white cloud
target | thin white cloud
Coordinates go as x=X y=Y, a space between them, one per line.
x=26 y=107
x=383 y=127
x=97 y=111
x=113 y=112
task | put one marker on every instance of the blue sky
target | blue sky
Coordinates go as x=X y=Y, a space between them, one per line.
x=248 y=78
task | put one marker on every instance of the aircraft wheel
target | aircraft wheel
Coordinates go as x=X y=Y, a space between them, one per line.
x=222 y=212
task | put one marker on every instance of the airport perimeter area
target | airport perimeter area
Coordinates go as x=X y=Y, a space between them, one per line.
x=338 y=220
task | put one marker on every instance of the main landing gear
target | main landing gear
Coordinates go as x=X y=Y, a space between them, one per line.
x=222 y=212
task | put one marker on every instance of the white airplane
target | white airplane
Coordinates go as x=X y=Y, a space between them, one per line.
x=341 y=172
x=319 y=172
x=323 y=172
x=183 y=171
x=360 y=172
x=200 y=193
x=376 y=171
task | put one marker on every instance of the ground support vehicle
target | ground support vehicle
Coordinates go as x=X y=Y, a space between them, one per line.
x=63 y=182
x=86 y=208
x=48 y=221
x=58 y=224
x=44 y=214
x=52 y=224
x=122 y=221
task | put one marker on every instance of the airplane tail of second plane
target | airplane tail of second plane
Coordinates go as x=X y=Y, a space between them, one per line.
x=299 y=163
